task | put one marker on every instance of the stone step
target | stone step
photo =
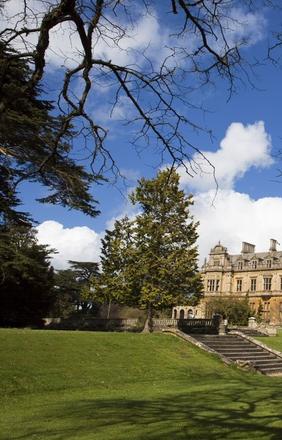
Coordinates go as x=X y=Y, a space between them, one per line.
x=268 y=364
x=237 y=348
x=259 y=357
x=270 y=371
x=225 y=343
x=232 y=345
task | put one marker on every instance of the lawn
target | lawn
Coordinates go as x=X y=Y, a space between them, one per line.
x=100 y=386
x=273 y=341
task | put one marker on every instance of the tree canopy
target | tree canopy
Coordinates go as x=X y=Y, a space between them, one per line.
x=63 y=143
x=26 y=277
x=31 y=145
x=72 y=287
x=151 y=261
x=235 y=310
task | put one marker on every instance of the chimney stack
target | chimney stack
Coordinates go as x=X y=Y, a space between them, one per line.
x=248 y=248
x=273 y=245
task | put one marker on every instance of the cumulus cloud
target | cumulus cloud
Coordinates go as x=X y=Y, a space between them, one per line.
x=243 y=147
x=244 y=27
x=236 y=217
x=79 y=243
x=145 y=33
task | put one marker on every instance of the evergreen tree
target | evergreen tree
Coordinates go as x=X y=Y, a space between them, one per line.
x=116 y=284
x=67 y=291
x=84 y=273
x=73 y=287
x=31 y=147
x=152 y=261
x=26 y=277
x=165 y=240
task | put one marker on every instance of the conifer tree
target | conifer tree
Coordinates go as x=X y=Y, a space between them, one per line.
x=115 y=284
x=26 y=277
x=152 y=261
x=165 y=240
x=31 y=148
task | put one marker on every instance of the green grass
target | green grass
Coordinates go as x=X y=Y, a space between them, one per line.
x=273 y=341
x=100 y=386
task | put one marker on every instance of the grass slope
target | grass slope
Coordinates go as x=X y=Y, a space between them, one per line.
x=103 y=386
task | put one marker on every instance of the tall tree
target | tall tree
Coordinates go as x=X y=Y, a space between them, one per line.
x=67 y=291
x=85 y=272
x=115 y=284
x=26 y=277
x=73 y=287
x=31 y=145
x=165 y=240
x=152 y=261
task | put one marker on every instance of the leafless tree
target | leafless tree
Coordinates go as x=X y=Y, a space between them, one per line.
x=201 y=46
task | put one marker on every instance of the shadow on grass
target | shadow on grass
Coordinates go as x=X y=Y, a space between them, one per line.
x=241 y=410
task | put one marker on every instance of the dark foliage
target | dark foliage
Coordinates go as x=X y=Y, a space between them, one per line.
x=29 y=145
x=26 y=278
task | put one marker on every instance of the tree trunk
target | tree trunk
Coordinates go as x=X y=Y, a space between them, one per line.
x=148 y=327
x=109 y=309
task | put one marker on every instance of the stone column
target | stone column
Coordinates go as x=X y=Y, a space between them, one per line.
x=252 y=323
x=219 y=324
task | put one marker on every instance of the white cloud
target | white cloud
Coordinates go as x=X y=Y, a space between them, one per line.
x=243 y=147
x=245 y=26
x=122 y=42
x=234 y=218
x=79 y=243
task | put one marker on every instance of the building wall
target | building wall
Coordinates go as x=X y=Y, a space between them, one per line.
x=226 y=275
x=231 y=275
x=188 y=312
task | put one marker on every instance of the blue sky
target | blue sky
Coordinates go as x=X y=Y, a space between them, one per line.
x=247 y=134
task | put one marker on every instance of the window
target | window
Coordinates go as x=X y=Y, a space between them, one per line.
x=216 y=262
x=240 y=265
x=210 y=285
x=280 y=283
x=213 y=286
x=254 y=264
x=239 y=285
x=254 y=284
x=267 y=283
x=266 y=310
x=268 y=264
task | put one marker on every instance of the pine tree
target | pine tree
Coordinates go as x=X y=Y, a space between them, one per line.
x=165 y=239
x=26 y=277
x=115 y=284
x=30 y=146
x=151 y=261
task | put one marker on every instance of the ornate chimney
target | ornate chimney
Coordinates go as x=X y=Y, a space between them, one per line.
x=248 y=248
x=273 y=245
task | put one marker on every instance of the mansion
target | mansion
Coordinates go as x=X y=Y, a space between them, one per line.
x=257 y=275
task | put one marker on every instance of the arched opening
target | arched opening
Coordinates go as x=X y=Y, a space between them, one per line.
x=181 y=314
x=190 y=314
x=174 y=314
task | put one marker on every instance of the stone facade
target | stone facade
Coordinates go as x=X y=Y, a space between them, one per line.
x=257 y=275
x=189 y=312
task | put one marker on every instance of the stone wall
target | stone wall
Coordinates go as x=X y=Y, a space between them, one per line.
x=136 y=325
x=93 y=324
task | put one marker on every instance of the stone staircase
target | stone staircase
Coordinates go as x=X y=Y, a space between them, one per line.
x=243 y=351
